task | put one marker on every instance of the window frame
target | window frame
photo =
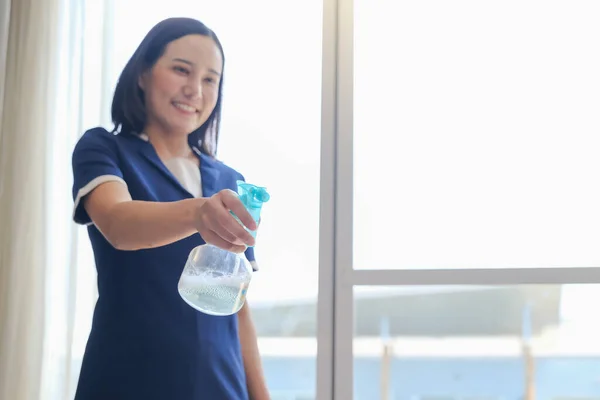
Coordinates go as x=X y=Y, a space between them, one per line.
x=337 y=276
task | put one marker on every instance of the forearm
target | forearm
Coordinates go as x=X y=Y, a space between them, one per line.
x=257 y=387
x=134 y=225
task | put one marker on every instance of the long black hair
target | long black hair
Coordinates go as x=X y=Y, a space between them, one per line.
x=128 y=110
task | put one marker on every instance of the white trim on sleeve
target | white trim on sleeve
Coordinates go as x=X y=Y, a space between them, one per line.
x=93 y=184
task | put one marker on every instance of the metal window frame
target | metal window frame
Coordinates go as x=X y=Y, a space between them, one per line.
x=337 y=276
x=327 y=245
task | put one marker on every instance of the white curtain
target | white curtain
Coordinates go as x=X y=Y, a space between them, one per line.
x=52 y=87
x=28 y=84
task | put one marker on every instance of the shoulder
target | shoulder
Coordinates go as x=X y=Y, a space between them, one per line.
x=98 y=140
x=97 y=137
x=98 y=133
x=97 y=149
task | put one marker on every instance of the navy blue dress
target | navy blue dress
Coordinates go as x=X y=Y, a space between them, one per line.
x=145 y=341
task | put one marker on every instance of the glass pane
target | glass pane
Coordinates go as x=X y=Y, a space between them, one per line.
x=476 y=134
x=271 y=133
x=476 y=343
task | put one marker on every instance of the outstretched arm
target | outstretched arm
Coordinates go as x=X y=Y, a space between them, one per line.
x=132 y=225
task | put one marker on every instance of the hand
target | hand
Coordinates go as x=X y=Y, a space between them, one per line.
x=218 y=227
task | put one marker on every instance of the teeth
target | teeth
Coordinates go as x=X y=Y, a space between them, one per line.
x=185 y=107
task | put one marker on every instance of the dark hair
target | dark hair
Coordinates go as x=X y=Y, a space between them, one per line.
x=128 y=109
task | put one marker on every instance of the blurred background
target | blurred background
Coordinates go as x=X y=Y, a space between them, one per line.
x=475 y=139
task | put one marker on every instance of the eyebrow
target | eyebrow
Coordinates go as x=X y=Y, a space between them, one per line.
x=191 y=64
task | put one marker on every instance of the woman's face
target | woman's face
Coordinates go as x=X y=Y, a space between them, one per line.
x=181 y=89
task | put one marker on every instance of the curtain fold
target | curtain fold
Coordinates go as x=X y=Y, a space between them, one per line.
x=28 y=87
x=70 y=273
x=53 y=86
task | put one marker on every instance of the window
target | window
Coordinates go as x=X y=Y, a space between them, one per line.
x=466 y=151
x=433 y=226
x=477 y=343
x=478 y=120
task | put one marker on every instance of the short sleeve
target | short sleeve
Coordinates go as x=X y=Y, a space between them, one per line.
x=94 y=162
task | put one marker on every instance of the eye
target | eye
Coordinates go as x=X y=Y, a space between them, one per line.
x=211 y=81
x=181 y=70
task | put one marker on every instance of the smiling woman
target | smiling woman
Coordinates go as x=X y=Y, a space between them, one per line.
x=144 y=218
x=259 y=118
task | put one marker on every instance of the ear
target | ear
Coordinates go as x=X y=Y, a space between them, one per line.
x=142 y=80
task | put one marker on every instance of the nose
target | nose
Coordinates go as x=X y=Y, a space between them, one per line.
x=193 y=89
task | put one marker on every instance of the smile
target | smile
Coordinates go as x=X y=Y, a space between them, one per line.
x=184 y=107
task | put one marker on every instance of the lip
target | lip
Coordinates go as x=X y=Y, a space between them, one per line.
x=185 y=108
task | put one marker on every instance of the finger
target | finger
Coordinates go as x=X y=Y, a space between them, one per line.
x=232 y=201
x=232 y=226
x=229 y=237
x=227 y=227
x=227 y=230
x=215 y=239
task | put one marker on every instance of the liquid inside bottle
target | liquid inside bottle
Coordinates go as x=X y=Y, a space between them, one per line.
x=214 y=293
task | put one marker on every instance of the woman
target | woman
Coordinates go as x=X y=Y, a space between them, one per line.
x=150 y=191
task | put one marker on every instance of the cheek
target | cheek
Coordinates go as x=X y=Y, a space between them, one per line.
x=210 y=99
x=163 y=86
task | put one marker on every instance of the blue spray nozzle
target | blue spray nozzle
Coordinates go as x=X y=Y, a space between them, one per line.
x=253 y=197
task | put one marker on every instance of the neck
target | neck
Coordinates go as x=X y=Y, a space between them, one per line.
x=167 y=145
